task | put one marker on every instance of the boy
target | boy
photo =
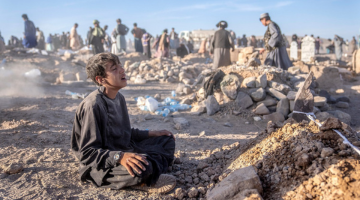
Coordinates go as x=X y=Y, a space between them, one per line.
x=110 y=152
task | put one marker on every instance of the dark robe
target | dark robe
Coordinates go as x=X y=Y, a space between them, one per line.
x=276 y=45
x=96 y=40
x=102 y=129
x=30 y=35
x=182 y=51
x=220 y=46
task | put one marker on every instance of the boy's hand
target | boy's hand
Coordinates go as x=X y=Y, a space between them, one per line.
x=161 y=133
x=133 y=161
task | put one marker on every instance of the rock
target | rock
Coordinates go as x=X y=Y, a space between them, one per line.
x=248 y=194
x=243 y=100
x=279 y=87
x=258 y=94
x=261 y=109
x=202 y=133
x=202 y=165
x=202 y=190
x=292 y=105
x=319 y=101
x=188 y=179
x=322 y=116
x=261 y=81
x=268 y=101
x=304 y=100
x=13 y=168
x=343 y=99
x=181 y=123
x=187 y=90
x=212 y=106
x=228 y=124
x=148 y=117
x=180 y=88
x=316 y=110
x=276 y=94
x=230 y=85
x=291 y=95
x=327 y=77
x=186 y=101
x=250 y=82
x=193 y=192
x=237 y=181
x=283 y=107
x=342 y=104
x=180 y=193
x=325 y=107
x=256 y=118
x=274 y=117
x=326 y=152
x=294 y=70
x=303 y=160
x=199 y=108
x=344 y=117
x=204 y=177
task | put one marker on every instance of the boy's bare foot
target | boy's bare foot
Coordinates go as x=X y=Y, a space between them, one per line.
x=165 y=184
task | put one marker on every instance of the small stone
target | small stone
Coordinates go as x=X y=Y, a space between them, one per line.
x=274 y=117
x=202 y=133
x=228 y=124
x=193 y=192
x=212 y=106
x=256 y=118
x=204 y=177
x=13 y=168
x=202 y=165
x=250 y=82
x=261 y=110
x=166 y=119
x=319 y=101
x=342 y=104
x=269 y=101
x=243 y=100
x=261 y=81
x=279 y=87
x=303 y=160
x=258 y=94
x=331 y=123
x=326 y=152
x=180 y=193
x=3 y=175
x=148 y=117
x=188 y=179
x=283 y=107
x=202 y=190
x=276 y=94
x=181 y=123
x=343 y=99
x=291 y=95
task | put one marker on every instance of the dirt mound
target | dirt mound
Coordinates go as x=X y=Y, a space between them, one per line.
x=298 y=161
x=133 y=57
x=194 y=58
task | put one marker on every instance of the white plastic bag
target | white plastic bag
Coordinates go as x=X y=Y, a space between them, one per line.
x=139 y=80
x=32 y=73
x=151 y=104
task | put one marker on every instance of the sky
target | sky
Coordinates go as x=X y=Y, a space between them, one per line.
x=322 y=18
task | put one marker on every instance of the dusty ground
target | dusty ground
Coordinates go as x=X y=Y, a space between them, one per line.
x=36 y=122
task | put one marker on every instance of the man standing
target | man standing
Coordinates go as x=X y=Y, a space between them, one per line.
x=338 y=42
x=146 y=44
x=96 y=37
x=29 y=34
x=121 y=31
x=352 y=46
x=220 y=46
x=173 y=39
x=74 y=38
x=317 y=45
x=107 y=40
x=244 y=41
x=40 y=39
x=63 y=40
x=137 y=32
x=275 y=44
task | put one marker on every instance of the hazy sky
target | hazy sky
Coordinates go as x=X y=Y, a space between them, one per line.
x=322 y=18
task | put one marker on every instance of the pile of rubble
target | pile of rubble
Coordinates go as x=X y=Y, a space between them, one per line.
x=295 y=161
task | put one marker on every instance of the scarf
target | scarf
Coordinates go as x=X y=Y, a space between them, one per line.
x=98 y=32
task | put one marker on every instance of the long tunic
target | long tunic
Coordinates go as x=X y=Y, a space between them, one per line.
x=30 y=35
x=40 y=40
x=101 y=129
x=220 y=46
x=74 y=39
x=275 y=44
x=121 y=31
x=338 y=48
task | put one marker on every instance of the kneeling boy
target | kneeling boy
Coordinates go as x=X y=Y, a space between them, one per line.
x=110 y=152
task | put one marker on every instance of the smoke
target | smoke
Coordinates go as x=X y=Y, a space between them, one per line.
x=14 y=82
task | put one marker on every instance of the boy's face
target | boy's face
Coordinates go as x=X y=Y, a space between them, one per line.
x=115 y=76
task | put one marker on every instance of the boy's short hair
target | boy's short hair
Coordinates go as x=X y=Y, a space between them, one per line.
x=97 y=64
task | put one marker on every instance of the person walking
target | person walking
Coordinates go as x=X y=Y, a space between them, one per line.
x=220 y=46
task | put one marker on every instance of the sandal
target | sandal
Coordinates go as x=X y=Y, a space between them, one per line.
x=165 y=184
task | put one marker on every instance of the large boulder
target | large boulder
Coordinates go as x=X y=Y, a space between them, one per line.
x=261 y=81
x=258 y=94
x=261 y=109
x=212 y=106
x=283 y=107
x=250 y=82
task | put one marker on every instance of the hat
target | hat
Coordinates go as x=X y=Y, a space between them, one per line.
x=264 y=15
x=96 y=22
x=222 y=24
